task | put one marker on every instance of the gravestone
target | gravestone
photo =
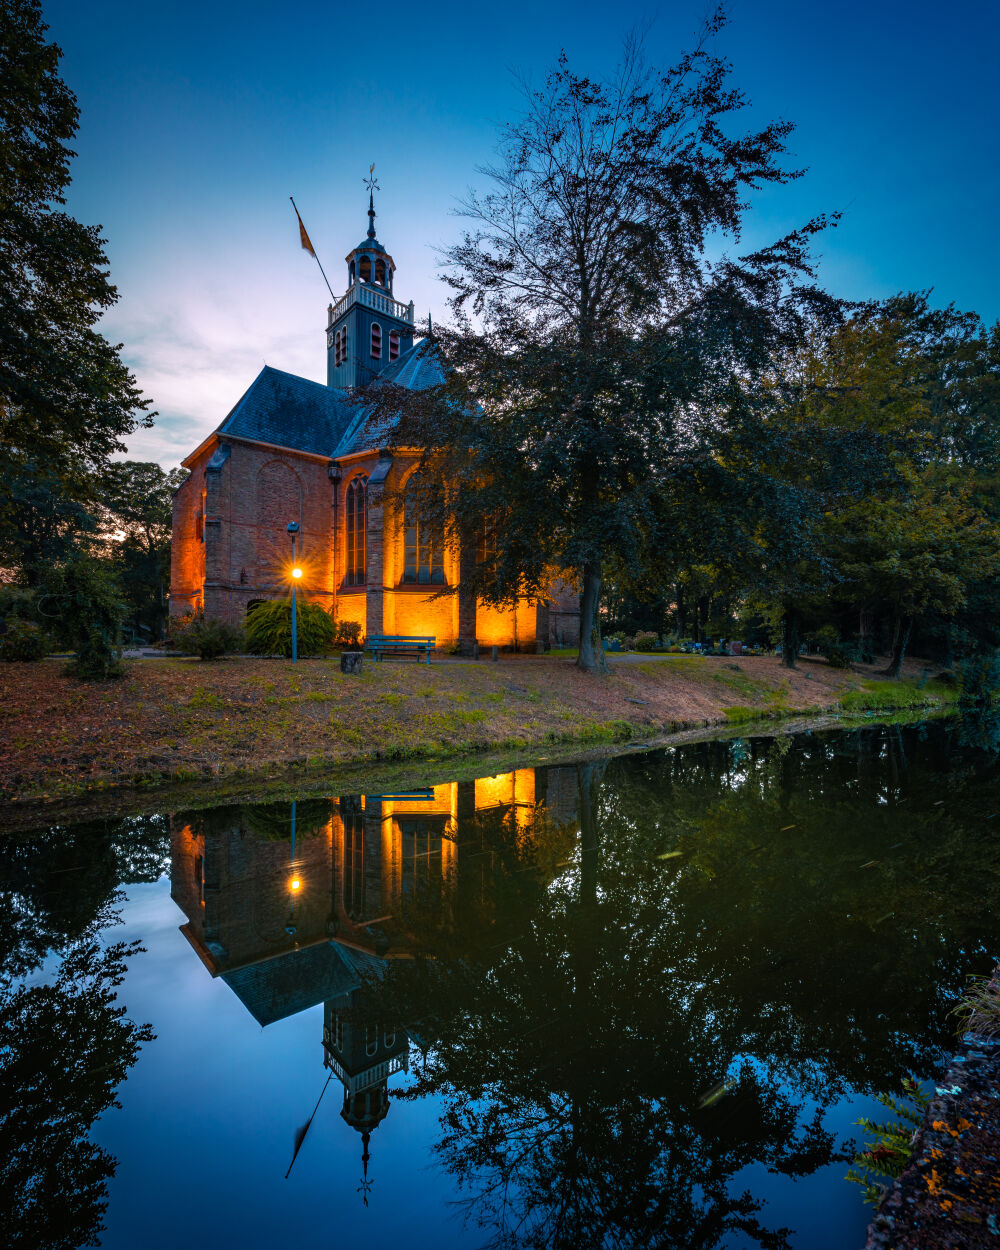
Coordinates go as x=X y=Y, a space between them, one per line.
x=350 y=662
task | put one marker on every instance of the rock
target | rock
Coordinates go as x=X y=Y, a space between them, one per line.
x=350 y=662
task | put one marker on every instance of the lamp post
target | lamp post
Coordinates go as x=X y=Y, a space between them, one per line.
x=293 y=529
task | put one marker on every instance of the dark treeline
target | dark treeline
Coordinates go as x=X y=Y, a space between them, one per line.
x=66 y=1043
x=82 y=535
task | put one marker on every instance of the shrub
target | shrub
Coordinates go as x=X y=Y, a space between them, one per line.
x=84 y=598
x=828 y=643
x=269 y=629
x=980 y=678
x=22 y=640
x=18 y=602
x=348 y=635
x=646 y=641
x=209 y=640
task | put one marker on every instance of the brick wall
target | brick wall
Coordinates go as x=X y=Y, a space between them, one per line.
x=246 y=554
x=231 y=547
x=187 y=551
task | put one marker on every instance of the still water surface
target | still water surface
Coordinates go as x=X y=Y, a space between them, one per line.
x=633 y=1003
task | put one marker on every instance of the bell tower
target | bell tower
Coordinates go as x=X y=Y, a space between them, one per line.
x=367 y=329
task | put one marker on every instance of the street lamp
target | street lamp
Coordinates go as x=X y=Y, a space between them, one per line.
x=293 y=529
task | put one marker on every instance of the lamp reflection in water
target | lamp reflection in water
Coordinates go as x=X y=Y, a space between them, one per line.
x=295 y=881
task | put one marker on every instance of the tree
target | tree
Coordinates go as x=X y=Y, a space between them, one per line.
x=618 y=1027
x=46 y=512
x=883 y=439
x=66 y=398
x=66 y=1047
x=83 y=606
x=135 y=506
x=596 y=352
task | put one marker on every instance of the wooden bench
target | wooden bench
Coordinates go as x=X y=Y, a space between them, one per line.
x=400 y=644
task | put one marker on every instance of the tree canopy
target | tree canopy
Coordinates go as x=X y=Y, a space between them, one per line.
x=67 y=400
x=600 y=350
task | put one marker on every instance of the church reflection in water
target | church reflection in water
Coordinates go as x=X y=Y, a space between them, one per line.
x=296 y=904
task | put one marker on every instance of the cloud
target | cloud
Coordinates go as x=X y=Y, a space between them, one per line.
x=195 y=351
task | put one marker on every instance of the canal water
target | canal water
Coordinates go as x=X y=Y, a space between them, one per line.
x=638 y=1002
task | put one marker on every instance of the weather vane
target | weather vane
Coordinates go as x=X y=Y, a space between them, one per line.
x=371 y=182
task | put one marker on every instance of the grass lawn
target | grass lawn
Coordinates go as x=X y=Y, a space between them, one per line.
x=170 y=721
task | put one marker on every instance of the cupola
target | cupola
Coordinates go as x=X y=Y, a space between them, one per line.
x=367 y=329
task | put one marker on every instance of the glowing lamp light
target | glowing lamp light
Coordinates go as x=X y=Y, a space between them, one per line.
x=296 y=572
x=295 y=884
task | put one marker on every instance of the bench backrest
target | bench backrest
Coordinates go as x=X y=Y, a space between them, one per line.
x=389 y=639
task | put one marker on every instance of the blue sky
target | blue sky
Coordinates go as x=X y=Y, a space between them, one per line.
x=199 y=120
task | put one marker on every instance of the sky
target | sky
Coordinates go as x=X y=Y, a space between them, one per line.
x=199 y=120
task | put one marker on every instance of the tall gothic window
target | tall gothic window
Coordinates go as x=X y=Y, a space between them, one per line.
x=376 y=341
x=357 y=529
x=423 y=548
x=393 y=344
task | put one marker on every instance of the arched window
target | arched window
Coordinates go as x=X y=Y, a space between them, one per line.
x=376 y=341
x=366 y=269
x=423 y=547
x=340 y=346
x=380 y=272
x=393 y=344
x=357 y=529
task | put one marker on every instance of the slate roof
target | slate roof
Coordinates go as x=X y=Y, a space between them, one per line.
x=287 y=984
x=290 y=411
x=417 y=369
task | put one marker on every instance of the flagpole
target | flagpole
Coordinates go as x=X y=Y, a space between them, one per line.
x=312 y=250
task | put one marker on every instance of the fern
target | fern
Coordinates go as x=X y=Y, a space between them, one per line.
x=887 y=1155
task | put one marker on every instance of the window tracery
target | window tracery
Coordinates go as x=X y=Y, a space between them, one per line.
x=357 y=532
x=423 y=547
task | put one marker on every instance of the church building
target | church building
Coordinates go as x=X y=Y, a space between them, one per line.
x=293 y=450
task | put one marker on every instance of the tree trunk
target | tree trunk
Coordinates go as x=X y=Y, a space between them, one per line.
x=900 y=639
x=789 y=638
x=681 y=619
x=866 y=644
x=592 y=658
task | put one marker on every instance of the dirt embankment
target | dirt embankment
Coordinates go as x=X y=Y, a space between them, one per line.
x=170 y=721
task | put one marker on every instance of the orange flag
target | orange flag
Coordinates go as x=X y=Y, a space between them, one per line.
x=303 y=236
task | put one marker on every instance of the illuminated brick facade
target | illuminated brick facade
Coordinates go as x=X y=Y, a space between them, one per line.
x=291 y=450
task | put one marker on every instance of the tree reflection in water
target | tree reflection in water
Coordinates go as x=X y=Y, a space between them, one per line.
x=65 y=1044
x=625 y=982
x=615 y=1044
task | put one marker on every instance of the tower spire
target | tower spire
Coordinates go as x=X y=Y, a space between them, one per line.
x=371 y=182
x=365 y=1188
